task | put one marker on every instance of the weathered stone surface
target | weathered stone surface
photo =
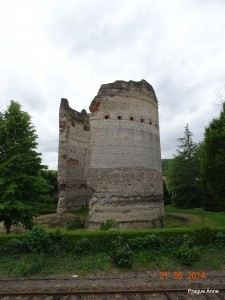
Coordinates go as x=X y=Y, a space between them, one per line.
x=123 y=163
x=126 y=89
x=73 y=145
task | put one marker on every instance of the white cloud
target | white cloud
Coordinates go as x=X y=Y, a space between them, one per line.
x=54 y=49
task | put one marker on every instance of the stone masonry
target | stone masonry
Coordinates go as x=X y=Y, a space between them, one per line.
x=121 y=157
x=74 y=136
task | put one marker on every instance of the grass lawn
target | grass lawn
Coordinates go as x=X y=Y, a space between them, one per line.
x=174 y=217
x=206 y=218
x=172 y=220
x=40 y=264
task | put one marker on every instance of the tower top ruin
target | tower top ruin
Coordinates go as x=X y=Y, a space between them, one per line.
x=122 y=88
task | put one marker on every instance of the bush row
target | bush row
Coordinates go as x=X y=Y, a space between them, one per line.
x=102 y=240
x=185 y=243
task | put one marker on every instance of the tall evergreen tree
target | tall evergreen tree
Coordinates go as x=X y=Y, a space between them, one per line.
x=213 y=164
x=166 y=194
x=21 y=183
x=183 y=174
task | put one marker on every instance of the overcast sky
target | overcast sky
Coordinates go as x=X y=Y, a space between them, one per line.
x=67 y=48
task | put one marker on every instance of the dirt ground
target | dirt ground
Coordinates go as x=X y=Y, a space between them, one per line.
x=48 y=220
x=112 y=281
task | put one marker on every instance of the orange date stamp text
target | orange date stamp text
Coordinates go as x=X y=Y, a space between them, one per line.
x=183 y=275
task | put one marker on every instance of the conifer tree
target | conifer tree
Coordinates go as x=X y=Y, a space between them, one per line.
x=21 y=183
x=166 y=194
x=183 y=174
x=213 y=164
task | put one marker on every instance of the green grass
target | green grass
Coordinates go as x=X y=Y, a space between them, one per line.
x=210 y=260
x=40 y=264
x=174 y=217
x=173 y=220
x=78 y=221
x=206 y=218
x=83 y=214
x=29 y=265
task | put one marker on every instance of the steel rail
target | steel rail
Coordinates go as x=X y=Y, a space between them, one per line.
x=72 y=278
x=102 y=292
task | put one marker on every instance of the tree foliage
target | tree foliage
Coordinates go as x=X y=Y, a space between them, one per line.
x=184 y=173
x=48 y=205
x=165 y=164
x=166 y=194
x=51 y=178
x=213 y=164
x=21 y=183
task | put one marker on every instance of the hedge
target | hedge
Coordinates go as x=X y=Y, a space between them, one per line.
x=101 y=241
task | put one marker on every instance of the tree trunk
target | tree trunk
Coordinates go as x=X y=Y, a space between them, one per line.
x=7 y=225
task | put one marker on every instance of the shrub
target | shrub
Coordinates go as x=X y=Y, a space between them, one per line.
x=168 y=240
x=143 y=257
x=150 y=241
x=38 y=240
x=137 y=243
x=204 y=236
x=188 y=256
x=57 y=235
x=75 y=223
x=15 y=246
x=82 y=246
x=187 y=253
x=220 y=239
x=187 y=241
x=109 y=224
x=57 y=243
x=27 y=268
x=121 y=253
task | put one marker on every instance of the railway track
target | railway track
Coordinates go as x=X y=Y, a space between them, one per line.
x=146 y=288
x=165 y=294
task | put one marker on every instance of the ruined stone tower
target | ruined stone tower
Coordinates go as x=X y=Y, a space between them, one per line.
x=74 y=136
x=123 y=163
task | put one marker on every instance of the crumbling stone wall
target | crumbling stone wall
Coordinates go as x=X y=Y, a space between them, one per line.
x=74 y=136
x=123 y=164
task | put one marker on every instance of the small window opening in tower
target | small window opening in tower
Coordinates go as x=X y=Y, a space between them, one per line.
x=156 y=125
x=119 y=117
x=142 y=120
x=132 y=118
x=107 y=117
x=150 y=122
x=73 y=123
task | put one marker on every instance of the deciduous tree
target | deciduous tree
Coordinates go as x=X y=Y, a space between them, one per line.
x=21 y=183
